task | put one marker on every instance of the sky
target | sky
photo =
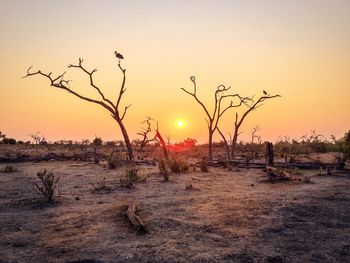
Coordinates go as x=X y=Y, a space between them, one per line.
x=298 y=49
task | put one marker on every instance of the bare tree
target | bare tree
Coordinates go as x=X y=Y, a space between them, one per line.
x=162 y=143
x=37 y=138
x=252 y=105
x=213 y=118
x=314 y=137
x=254 y=136
x=145 y=133
x=113 y=108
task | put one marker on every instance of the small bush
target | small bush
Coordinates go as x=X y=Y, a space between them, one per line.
x=9 y=141
x=163 y=169
x=204 y=165
x=115 y=161
x=8 y=169
x=321 y=172
x=48 y=184
x=100 y=186
x=307 y=180
x=130 y=178
x=189 y=186
x=178 y=166
x=97 y=141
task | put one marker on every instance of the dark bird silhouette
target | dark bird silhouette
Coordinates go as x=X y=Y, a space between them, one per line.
x=265 y=93
x=118 y=55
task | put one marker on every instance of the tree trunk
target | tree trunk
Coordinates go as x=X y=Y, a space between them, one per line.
x=269 y=154
x=127 y=141
x=162 y=143
x=210 y=144
x=234 y=143
x=227 y=146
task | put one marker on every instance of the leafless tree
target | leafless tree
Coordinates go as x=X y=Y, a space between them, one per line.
x=37 y=138
x=253 y=137
x=251 y=105
x=314 y=137
x=145 y=133
x=113 y=108
x=213 y=118
x=162 y=143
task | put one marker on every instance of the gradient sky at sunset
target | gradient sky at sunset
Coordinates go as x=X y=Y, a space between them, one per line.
x=299 y=49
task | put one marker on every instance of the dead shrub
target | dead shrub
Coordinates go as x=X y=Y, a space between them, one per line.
x=8 y=169
x=307 y=180
x=204 y=165
x=163 y=169
x=115 y=161
x=131 y=177
x=189 y=186
x=48 y=184
x=101 y=186
x=178 y=165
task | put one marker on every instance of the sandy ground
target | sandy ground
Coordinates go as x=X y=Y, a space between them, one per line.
x=229 y=216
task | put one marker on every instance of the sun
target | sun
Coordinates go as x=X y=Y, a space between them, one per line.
x=180 y=123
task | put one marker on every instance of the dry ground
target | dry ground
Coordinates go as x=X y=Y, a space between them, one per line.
x=229 y=216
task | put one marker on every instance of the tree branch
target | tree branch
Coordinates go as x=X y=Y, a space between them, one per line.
x=122 y=87
x=194 y=94
x=92 y=84
x=125 y=109
x=60 y=83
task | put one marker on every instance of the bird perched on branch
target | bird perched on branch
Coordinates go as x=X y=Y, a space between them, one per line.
x=118 y=55
x=265 y=93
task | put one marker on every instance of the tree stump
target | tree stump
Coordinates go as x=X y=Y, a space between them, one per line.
x=269 y=154
x=269 y=160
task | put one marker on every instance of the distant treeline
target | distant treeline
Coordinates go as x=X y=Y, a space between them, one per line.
x=314 y=143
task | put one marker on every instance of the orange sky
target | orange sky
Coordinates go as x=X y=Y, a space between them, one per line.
x=299 y=49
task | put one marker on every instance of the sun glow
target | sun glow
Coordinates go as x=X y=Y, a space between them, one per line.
x=180 y=123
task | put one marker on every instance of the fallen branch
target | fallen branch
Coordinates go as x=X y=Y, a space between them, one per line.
x=134 y=219
x=275 y=174
x=242 y=163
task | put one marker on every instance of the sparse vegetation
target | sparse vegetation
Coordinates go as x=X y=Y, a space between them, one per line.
x=97 y=142
x=204 y=165
x=100 y=186
x=8 y=169
x=10 y=141
x=115 y=160
x=131 y=177
x=177 y=165
x=189 y=186
x=307 y=180
x=47 y=185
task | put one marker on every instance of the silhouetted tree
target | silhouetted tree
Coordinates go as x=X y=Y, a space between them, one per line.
x=113 y=108
x=254 y=136
x=251 y=105
x=145 y=133
x=37 y=139
x=97 y=141
x=213 y=118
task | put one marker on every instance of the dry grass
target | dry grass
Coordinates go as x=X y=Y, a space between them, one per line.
x=222 y=219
